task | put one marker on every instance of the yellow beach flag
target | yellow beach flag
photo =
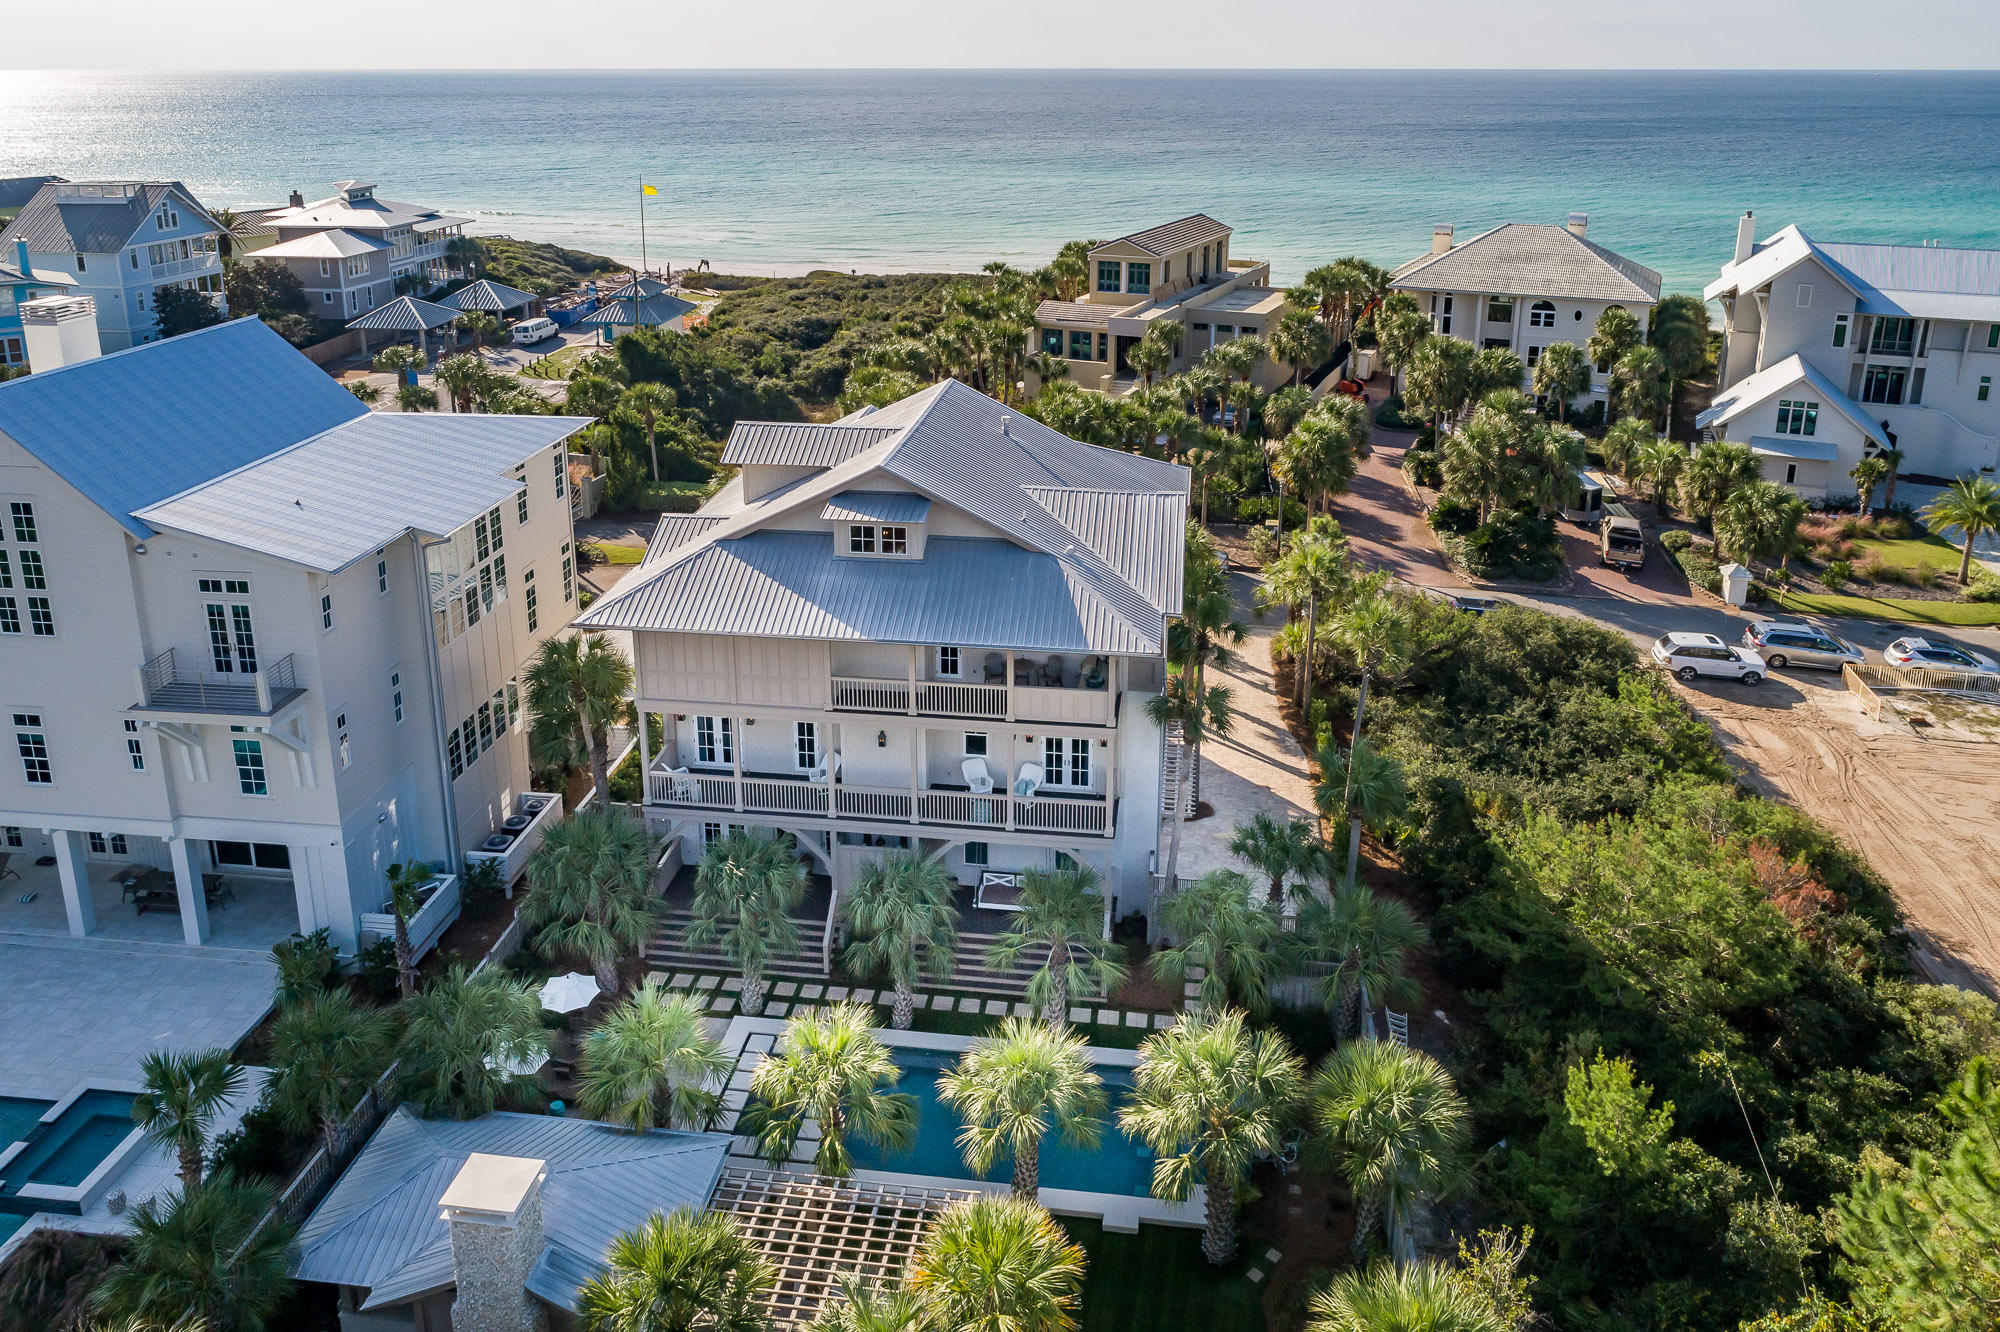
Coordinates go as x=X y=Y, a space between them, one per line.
x=647 y=189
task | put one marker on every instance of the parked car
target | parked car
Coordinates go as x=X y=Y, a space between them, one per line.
x=1921 y=652
x=1691 y=655
x=530 y=331
x=1461 y=601
x=1783 y=644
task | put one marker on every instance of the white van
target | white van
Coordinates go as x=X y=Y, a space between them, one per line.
x=530 y=331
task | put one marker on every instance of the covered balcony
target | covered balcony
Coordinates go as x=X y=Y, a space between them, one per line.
x=1070 y=689
x=935 y=803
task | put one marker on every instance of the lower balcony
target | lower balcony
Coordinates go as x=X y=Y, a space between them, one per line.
x=169 y=684
x=1045 y=811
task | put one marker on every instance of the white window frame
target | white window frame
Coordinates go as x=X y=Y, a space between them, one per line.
x=714 y=741
x=396 y=696
x=950 y=663
x=326 y=612
x=1542 y=314
x=1062 y=756
x=861 y=538
x=381 y=577
x=805 y=745
x=134 y=751
x=31 y=743
x=978 y=744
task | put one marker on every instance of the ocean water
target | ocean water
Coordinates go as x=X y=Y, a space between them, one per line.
x=897 y=170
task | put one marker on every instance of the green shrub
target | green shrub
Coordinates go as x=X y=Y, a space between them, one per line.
x=1264 y=544
x=1676 y=540
x=1390 y=414
x=1422 y=468
x=480 y=889
x=375 y=965
x=1258 y=508
x=673 y=496
x=1453 y=517
x=258 y=1147
x=1513 y=544
x=1837 y=574
x=1985 y=585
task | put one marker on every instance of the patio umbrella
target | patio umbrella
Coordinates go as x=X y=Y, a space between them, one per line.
x=566 y=994
x=518 y=1066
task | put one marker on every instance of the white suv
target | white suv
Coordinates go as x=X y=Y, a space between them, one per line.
x=1691 y=655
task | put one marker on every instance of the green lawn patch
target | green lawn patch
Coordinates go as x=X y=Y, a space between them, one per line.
x=1965 y=614
x=1924 y=552
x=1157 y=1281
x=615 y=554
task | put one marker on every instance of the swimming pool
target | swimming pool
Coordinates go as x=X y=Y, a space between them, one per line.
x=63 y=1153
x=1116 y=1165
x=18 y=1117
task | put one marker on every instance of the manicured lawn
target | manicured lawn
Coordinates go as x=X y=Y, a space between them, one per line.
x=614 y=554
x=1966 y=614
x=1157 y=1281
x=1924 y=552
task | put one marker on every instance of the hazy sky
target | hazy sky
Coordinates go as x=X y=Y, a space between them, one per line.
x=650 y=34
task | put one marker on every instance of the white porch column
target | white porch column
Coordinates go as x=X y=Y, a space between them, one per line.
x=645 y=752
x=187 y=885
x=70 y=866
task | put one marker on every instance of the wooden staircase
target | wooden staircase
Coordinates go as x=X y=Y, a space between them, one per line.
x=670 y=950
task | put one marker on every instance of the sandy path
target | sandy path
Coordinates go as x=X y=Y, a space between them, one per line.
x=1924 y=811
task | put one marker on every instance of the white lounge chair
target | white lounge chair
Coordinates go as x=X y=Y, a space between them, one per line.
x=830 y=765
x=1029 y=781
x=976 y=776
x=682 y=784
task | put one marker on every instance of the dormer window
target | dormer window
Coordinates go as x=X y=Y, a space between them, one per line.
x=878 y=523
x=895 y=541
x=861 y=539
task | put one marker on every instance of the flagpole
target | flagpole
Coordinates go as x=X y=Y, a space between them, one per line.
x=642 y=228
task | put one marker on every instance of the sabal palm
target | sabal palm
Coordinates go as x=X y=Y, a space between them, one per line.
x=180 y=1098
x=1279 y=848
x=829 y=1070
x=1554 y=455
x=1149 y=358
x=691 y=1269
x=905 y=923
x=459 y=375
x=1198 y=714
x=1615 y=333
x=1210 y=1096
x=1390 y=1297
x=590 y=891
x=1364 y=788
x=1716 y=469
x=1479 y=463
x=325 y=1049
x=859 y=1305
x=1059 y=917
x=1639 y=384
x=461 y=1033
x=1284 y=409
x=1399 y=333
x=1973 y=507
x=1493 y=369
x=1011 y=1090
x=1562 y=373
x=1323 y=452
x=1368 y=942
x=406 y=881
x=1391 y=1122
x=652 y=1064
x=582 y=685
x=1314 y=569
x=648 y=403
x=1659 y=463
x=1895 y=457
x=1868 y=475
x=1438 y=379
x=1759 y=521
x=1300 y=341
x=191 y=1257
x=998 y=1265
x=1226 y=933
x=745 y=890
x=1625 y=442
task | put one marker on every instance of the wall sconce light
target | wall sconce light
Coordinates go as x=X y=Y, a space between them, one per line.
x=1029 y=738
x=881 y=739
x=680 y=717
x=749 y=721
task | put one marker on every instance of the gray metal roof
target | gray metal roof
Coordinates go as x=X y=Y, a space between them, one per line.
x=132 y=428
x=59 y=220
x=343 y=494
x=380 y=1228
x=1795 y=446
x=1748 y=392
x=366 y=213
x=1075 y=312
x=333 y=244
x=15 y=191
x=652 y=311
x=675 y=530
x=790 y=444
x=405 y=314
x=643 y=287
x=1532 y=259
x=487 y=294
x=1903 y=281
x=1168 y=237
x=876 y=506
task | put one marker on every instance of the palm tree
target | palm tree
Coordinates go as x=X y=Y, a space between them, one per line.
x=365 y=391
x=466 y=254
x=1391 y=1121
x=650 y=1063
x=1278 y=847
x=1368 y=940
x=744 y=892
x=1493 y=369
x=649 y=402
x=581 y=685
x=1561 y=374
x=183 y=1095
x=1894 y=457
x=1313 y=570
x=1149 y=358
x=416 y=398
x=1225 y=932
x=202 y=1254
x=830 y=1070
x=403 y=360
x=1867 y=475
x=592 y=395
x=1284 y=409
x=1319 y=457
x=1398 y=334
x=1210 y=1097
x=1624 y=442
x=1973 y=507
x=1716 y=469
x=1438 y=379
x=590 y=891
x=998 y=1265
x=460 y=375
x=905 y=923
x=236 y=228
x=1479 y=461
x=461 y=1033
x=1659 y=463
x=1011 y=1090
x=1059 y=917
x=1679 y=332
x=1417 y=1297
x=1639 y=384
x=1364 y=788
x=1615 y=333
x=691 y=1269
x=1374 y=628
x=1554 y=455
x=326 y=1048
x=1197 y=713
x=858 y=1305
x=406 y=881
x=1300 y=341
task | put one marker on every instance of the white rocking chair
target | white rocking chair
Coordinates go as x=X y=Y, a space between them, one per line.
x=976 y=776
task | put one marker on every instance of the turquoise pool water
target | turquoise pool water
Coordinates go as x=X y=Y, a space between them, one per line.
x=64 y=1153
x=18 y=1117
x=1116 y=1165
x=10 y=1224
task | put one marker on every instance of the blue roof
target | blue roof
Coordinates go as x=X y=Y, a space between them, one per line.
x=134 y=427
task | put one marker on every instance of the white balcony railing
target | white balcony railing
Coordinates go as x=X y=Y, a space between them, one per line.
x=941 y=698
x=1076 y=815
x=851 y=694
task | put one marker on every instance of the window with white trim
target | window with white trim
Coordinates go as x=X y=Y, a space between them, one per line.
x=133 y=750
x=513 y=705
x=250 y=779
x=1840 y=330
x=895 y=540
x=975 y=744
x=1066 y=761
x=569 y=573
x=1985 y=387
x=381 y=578
x=805 y=745
x=534 y=616
x=41 y=619
x=15 y=839
x=341 y=744
x=714 y=745
x=860 y=538
x=454 y=755
x=396 y=696
x=32 y=743
x=10 y=616
x=1797 y=417
x=232 y=640
x=34 y=575
x=1542 y=314
x=23 y=513
x=521 y=504
x=562 y=473
x=947 y=662
x=326 y=612
x=978 y=854
x=711 y=833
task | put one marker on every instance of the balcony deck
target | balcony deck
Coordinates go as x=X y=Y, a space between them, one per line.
x=168 y=686
x=936 y=805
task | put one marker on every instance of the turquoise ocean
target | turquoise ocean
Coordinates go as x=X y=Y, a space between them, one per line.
x=898 y=170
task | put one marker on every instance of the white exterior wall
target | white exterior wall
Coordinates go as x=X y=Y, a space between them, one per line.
x=1575 y=320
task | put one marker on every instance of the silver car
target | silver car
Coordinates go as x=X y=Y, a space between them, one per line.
x=1782 y=643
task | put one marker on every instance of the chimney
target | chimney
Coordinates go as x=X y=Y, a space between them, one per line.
x=21 y=258
x=1441 y=238
x=298 y=200
x=58 y=331
x=494 y=1209
x=1579 y=223
x=1746 y=235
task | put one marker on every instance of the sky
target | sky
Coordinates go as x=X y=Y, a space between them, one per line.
x=1156 y=34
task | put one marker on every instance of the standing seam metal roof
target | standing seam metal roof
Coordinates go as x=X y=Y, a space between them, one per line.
x=781 y=444
x=405 y=314
x=487 y=294
x=57 y=223
x=876 y=506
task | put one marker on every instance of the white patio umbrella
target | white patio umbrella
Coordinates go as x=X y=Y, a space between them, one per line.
x=518 y=1066
x=566 y=994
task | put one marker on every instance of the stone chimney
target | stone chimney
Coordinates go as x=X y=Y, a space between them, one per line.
x=58 y=331
x=1746 y=235
x=1441 y=238
x=494 y=1209
x=298 y=200
x=1579 y=223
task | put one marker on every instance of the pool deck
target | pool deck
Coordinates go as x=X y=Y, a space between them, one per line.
x=750 y=1039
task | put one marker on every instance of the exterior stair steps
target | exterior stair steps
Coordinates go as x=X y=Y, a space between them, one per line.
x=671 y=951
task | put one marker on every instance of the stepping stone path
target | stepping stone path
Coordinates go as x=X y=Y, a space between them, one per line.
x=720 y=996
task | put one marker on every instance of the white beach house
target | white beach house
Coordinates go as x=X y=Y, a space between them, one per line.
x=932 y=626
x=354 y=251
x=1834 y=350
x=1523 y=285
x=258 y=643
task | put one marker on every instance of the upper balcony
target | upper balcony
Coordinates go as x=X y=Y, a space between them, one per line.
x=168 y=685
x=1063 y=690
x=1022 y=808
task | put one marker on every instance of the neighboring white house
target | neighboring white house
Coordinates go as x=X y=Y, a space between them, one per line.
x=1525 y=285
x=935 y=625
x=353 y=251
x=119 y=242
x=249 y=627
x=1833 y=350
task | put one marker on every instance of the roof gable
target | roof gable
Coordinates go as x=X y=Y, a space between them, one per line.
x=61 y=219
x=1172 y=237
x=1754 y=390
x=1532 y=259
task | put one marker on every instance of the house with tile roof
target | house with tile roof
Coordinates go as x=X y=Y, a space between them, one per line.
x=1180 y=272
x=1522 y=286
x=259 y=643
x=1833 y=351
x=931 y=626
x=119 y=242
x=354 y=251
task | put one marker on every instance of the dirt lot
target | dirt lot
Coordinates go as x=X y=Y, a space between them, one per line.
x=1921 y=802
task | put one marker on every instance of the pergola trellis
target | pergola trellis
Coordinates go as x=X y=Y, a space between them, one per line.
x=812 y=1229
